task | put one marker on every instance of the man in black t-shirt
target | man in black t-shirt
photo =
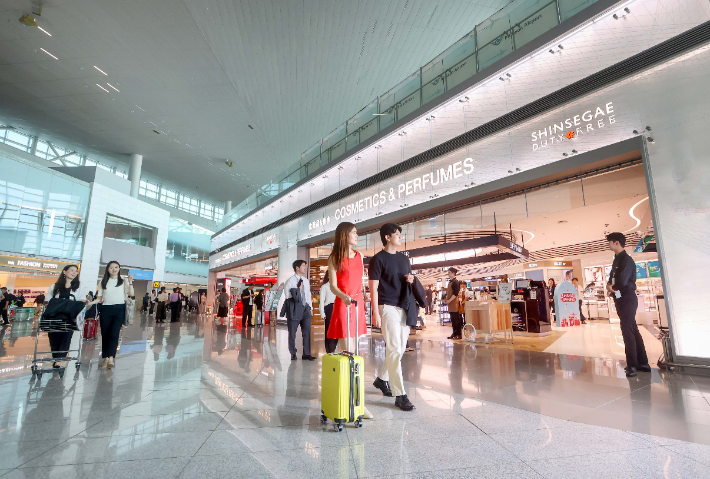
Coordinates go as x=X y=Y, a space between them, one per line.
x=389 y=271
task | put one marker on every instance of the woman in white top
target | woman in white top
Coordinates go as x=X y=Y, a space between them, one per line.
x=162 y=300
x=66 y=287
x=112 y=294
x=327 y=298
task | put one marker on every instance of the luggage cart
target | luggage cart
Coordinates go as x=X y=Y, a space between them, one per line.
x=41 y=357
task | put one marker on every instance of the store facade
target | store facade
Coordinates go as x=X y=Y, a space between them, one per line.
x=514 y=132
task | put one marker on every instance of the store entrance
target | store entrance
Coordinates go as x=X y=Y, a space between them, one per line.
x=562 y=225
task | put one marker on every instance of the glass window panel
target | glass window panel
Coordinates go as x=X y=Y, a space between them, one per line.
x=570 y=7
x=18 y=140
x=461 y=72
x=555 y=198
x=433 y=89
x=615 y=185
x=535 y=25
x=393 y=99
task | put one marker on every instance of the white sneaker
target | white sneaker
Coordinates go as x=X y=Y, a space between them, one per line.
x=368 y=414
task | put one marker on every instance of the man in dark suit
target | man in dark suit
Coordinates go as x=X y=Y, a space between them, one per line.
x=247 y=305
x=622 y=287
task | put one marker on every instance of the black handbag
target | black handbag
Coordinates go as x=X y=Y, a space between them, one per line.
x=60 y=315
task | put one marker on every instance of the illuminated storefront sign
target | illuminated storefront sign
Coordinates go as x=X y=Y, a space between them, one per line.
x=574 y=127
x=439 y=177
x=34 y=263
x=235 y=253
x=319 y=223
x=549 y=264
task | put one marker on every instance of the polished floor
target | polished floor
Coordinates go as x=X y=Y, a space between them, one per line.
x=204 y=400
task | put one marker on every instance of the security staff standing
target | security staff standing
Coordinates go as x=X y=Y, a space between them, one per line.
x=622 y=287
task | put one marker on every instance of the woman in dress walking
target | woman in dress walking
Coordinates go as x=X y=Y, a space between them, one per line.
x=345 y=271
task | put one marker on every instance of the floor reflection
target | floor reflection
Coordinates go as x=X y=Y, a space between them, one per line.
x=184 y=392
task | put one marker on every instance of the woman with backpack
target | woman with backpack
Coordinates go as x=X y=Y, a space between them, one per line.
x=113 y=294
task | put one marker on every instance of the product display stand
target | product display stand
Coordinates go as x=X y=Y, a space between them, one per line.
x=489 y=318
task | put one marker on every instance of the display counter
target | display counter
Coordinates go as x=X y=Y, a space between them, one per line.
x=489 y=318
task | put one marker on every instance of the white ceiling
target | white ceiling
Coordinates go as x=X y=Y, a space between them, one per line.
x=201 y=71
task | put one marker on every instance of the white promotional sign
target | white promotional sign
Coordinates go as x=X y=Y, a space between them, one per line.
x=504 y=291
x=566 y=305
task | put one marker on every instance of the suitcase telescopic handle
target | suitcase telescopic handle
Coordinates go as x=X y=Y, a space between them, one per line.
x=357 y=343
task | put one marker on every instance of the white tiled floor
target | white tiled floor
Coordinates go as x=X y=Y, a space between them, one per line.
x=222 y=402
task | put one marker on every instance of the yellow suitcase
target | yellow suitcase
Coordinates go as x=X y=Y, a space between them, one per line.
x=342 y=385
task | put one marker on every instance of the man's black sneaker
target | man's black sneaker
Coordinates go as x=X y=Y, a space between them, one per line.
x=403 y=403
x=293 y=357
x=645 y=368
x=309 y=358
x=383 y=386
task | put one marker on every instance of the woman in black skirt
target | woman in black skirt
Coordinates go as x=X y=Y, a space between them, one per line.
x=223 y=302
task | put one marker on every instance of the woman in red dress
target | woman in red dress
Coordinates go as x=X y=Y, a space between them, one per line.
x=345 y=268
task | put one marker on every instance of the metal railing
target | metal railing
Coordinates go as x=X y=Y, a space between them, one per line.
x=496 y=37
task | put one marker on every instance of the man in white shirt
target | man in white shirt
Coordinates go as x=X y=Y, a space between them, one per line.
x=300 y=281
x=580 y=295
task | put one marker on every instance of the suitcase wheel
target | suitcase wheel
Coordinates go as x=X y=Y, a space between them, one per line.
x=323 y=419
x=338 y=427
x=358 y=423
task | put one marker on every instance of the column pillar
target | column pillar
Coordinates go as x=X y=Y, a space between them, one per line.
x=227 y=207
x=134 y=173
x=287 y=255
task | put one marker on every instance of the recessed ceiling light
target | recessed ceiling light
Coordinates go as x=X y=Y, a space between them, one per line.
x=104 y=89
x=99 y=69
x=119 y=91
x=45 y=31
x=45 y=51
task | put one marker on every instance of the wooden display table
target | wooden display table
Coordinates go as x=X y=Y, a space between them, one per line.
x=490 y=318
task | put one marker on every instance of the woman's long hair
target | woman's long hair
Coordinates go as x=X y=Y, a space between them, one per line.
x=326 y=278
x=340 y=246
x=61 y=285
x=107 y=276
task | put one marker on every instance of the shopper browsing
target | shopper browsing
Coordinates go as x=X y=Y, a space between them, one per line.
x=389 y=271
x=622 y=288
x=297 y=305
x=580 y=295
x=327 y=298
x=452 y=301
x=66 y=287
x=551 y=290
x=113 y=294
x=247 y=305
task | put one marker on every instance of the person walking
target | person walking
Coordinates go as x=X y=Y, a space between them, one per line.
x=5 y=299
x=66 y=287
x=247 y=305
x=429 y=300
x=297 y=290
x=113 y=293
x=622 y=288
x=39 y=302
x=153 y=299
x=551 y=291
x=580 y=295
x=389 y=271
x=162 y=300
x=146 y=300
x=327 y=298
x=175 y=306
x=223 y=304
x=452 y=301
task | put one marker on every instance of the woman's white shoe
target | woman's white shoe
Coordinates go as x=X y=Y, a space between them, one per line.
x=368 y=414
